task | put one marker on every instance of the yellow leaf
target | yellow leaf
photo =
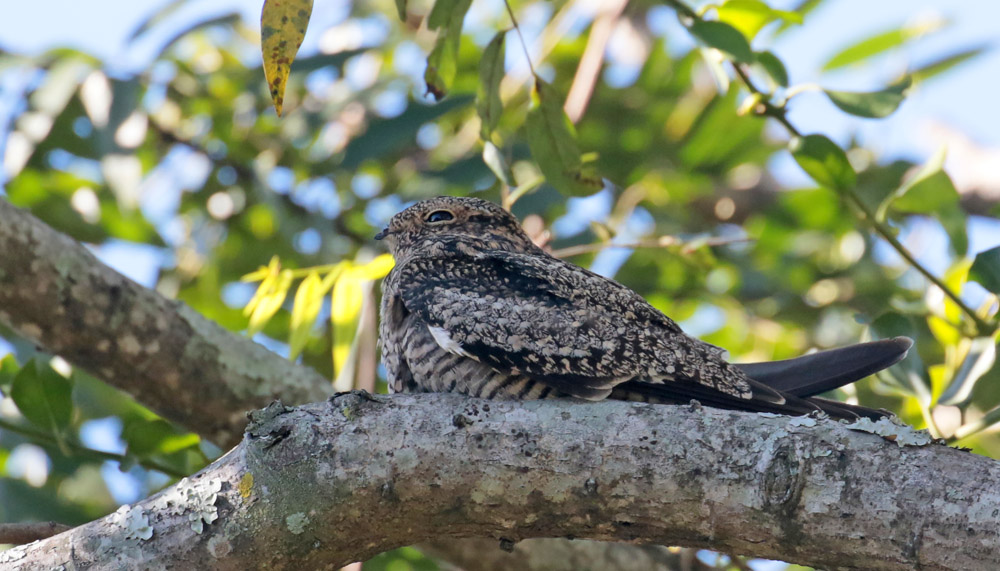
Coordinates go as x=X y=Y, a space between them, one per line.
x=268 y=276
x=945 y=312
x=270 y=303
x=375 y=269
x=335 y=273
x=255 y=276
x=282 y=26
x=345 y=310
x=308 y=301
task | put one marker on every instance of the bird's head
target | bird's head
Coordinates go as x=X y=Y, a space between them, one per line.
x=471 y=220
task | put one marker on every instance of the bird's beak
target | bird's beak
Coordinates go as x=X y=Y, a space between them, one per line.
x=382 y=234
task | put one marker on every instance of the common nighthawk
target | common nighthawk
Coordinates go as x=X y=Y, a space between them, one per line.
x=474 y=307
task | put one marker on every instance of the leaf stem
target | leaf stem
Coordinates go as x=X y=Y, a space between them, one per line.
x=683 y=8
x=517 y=28
x=766 y=107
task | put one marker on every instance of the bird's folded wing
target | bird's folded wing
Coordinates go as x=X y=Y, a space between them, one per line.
x=489 y=310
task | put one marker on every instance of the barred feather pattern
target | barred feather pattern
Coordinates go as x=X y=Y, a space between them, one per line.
x=473 y=306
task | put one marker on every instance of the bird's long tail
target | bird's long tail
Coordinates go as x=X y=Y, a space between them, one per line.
x=789 y=386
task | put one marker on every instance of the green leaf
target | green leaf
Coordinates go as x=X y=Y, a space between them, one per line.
x=824 y=161
x=443 y=61
x=148 y=437
x=401 y=10
x=803 y=9
x=874 y=104
x=774 y=67
x=308 y=301
x=939 y=66
x=986 y=269
x=441 y=68
x=441 y=13
x=875 y=45
x=283 y=25
x=749 y=16
x=494 y=160
x=930 y=168
x=43 y=396
x=955 y=223
x=930 y=191
x=158 y=17
x=491 y=71
x=724 y=38
x=909 y=376
x=228 y=20
x=552 y=139
x=8 y=372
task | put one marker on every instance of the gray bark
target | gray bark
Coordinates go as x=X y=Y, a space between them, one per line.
x=334 y=482
x=562 y=555
x=190 y=370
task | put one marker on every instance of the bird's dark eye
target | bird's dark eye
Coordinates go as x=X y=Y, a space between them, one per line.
x=440 y=216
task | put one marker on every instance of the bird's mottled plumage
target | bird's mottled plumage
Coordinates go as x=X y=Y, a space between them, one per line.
x=473 y=306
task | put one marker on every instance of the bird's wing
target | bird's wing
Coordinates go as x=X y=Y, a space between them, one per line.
x=557 y=323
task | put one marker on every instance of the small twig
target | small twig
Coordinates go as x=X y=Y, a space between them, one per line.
x=886 y=233
x=21 y=533
x=582 y=88
x=767 y=108
x=524 y=45
x=661 y=242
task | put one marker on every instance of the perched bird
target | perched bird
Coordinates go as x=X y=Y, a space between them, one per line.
x=474 y=307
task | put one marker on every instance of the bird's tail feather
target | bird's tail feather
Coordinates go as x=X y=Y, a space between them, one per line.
x=816 y=373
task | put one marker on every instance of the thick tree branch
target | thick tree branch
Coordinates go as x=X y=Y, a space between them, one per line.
x=48 y=278
x=334 y=482
x=187 y=368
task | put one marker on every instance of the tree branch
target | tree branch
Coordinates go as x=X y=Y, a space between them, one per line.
x=593 y=56
x=47 y=277
x=334 y=482
x=185 y=367
x=19 y=533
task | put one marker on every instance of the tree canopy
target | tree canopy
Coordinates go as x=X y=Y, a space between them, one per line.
x=648 y=141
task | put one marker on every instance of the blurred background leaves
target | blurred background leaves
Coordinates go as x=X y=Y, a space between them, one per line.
x=665 y=172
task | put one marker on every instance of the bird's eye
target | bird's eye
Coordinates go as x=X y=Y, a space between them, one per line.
x=440 y=216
